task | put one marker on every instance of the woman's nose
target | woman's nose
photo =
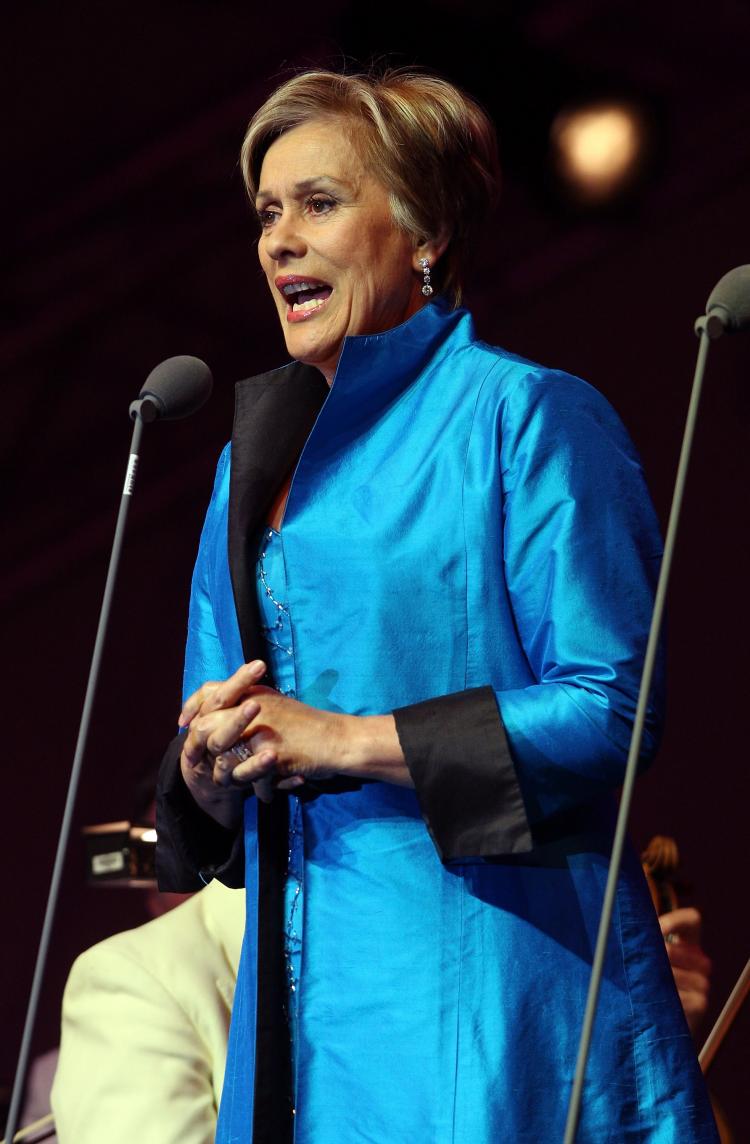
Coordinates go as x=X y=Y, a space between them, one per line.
x=285 y=238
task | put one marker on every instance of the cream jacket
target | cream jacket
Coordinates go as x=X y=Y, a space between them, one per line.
x=144 y=1028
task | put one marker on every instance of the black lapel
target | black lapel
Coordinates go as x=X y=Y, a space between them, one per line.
x=273 y=1093
x=274 y=414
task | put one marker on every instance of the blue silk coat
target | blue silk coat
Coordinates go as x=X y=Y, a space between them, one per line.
x=460 y=518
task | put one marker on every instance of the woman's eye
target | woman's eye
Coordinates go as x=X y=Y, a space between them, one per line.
x=320 y=205
x=267 y=218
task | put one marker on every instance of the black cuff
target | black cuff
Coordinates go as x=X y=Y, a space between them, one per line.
x=191 y=849
x=458 y=756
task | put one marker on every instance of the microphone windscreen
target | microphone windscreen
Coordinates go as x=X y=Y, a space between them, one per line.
x=730 y=299
x=178 y=386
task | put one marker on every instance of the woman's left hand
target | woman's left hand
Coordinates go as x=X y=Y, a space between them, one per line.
x=291 y=741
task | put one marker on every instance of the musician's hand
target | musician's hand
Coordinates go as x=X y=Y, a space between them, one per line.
x=690 y=965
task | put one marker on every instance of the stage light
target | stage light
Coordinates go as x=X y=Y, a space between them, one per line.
x=598 y=150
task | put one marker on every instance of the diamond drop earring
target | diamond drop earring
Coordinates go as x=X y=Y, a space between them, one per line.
x=426 y=288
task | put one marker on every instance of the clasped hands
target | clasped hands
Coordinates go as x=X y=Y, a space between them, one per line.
x=288 y=740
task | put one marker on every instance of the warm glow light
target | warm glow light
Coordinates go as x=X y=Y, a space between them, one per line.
x=148 y=836
x=598 y=149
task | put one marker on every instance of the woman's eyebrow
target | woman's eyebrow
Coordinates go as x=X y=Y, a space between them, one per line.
x=306 y=185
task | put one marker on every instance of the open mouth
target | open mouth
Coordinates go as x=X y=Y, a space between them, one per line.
x=304 y=296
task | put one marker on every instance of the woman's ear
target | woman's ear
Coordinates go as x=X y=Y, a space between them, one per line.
x=430 y=248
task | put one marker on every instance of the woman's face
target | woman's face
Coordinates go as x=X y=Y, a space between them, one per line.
x=335 y=261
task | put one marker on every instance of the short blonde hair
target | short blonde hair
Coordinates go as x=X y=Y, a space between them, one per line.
x=429 y=144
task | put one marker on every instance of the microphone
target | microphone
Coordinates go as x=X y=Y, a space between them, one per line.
x=728 y=306
x=176 y=388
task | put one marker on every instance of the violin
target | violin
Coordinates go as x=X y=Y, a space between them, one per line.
x=661 y=863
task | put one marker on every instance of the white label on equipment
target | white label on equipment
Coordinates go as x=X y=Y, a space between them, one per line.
x=108 y=863
x=130 y=475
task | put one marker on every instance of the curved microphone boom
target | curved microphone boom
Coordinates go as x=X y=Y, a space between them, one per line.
x=176 y=388
x=727 y=311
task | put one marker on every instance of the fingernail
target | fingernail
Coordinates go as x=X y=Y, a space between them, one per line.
x=256 y=664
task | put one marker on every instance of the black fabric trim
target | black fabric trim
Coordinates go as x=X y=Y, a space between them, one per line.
x=274 y=414
x=192 y=847
x=459 y=758
x=273 y=1103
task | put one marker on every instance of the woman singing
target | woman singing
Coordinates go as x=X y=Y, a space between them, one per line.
x=417 y=622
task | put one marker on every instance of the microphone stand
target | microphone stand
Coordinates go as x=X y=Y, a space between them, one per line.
x=141 y=410
x=708 y=329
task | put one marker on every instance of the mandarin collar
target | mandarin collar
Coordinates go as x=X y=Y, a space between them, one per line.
x=383 y=365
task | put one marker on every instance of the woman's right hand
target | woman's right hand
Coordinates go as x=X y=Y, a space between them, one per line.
x=205 y=775
x=215 y=716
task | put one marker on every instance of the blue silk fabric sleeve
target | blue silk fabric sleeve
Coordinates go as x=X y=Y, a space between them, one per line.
x=193 y=849
x=581 y=552
x=214 y=647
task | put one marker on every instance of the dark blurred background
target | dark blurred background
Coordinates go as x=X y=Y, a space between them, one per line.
x=126 y=238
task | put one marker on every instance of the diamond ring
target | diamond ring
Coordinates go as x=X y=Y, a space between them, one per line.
x=241 y=750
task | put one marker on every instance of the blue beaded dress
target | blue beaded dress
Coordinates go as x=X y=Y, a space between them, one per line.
x=275 y=623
